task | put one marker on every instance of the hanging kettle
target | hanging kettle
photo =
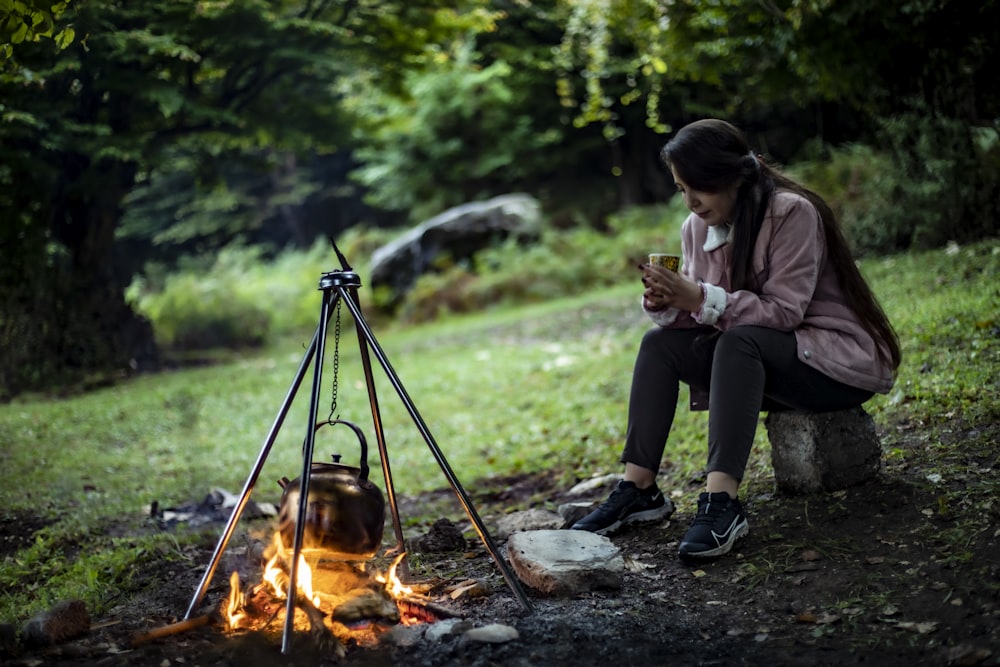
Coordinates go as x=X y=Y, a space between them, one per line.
x=345 y=511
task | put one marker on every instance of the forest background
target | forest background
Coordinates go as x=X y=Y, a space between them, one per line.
x=154 y=155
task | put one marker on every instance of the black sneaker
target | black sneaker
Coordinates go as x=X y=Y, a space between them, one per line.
x=626 y=504
x=720 y=521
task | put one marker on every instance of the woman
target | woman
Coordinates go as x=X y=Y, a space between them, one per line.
x=769 y=312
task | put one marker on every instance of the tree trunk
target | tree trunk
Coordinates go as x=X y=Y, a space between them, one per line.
x=65 y=319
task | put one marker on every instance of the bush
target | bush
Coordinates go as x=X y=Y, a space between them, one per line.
x=937 y=180
x=239 y=298
x=196 y=312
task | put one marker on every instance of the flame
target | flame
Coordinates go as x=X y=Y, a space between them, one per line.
x=234 y=610
x=275 y=576
x=393 y=585
x=243 y=608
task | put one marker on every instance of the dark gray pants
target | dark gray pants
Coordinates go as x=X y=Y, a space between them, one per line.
x=744 y=369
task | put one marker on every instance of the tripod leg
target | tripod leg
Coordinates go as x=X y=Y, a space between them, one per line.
x=484 y=535
x=366 y=362
x=252 y=479
x=307 y=457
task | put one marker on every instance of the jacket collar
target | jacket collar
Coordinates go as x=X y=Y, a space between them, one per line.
x=717 y=237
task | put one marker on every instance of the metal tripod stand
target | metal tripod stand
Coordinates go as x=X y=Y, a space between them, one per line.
x=341 y=286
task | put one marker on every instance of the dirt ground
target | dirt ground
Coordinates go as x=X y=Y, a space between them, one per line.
x=904 y=570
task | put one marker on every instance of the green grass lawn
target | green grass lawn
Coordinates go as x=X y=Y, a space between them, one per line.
x=507 y=391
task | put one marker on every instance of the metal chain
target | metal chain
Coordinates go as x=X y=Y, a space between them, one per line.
x=336 y=361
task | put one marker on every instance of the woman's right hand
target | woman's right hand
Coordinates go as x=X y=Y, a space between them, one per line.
x=652 y=299
x=665 y=289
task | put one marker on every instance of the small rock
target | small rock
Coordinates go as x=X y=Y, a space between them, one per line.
x=446 y=628
x=62 y=622
x=443 y=536
x=495 y=633
x=404 y=635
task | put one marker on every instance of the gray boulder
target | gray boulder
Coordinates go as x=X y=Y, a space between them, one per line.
x=459 y=232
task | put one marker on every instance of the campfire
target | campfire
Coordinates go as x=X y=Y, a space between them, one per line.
x=338 y=603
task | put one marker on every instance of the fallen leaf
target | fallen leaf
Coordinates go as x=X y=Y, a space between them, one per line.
x=890 y=610
x=698 y=573
x=811 y=555
x=875 y=560
x=805 y=617
x=920 y=628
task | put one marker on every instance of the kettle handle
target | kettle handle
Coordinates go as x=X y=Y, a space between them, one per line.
x=363 y=465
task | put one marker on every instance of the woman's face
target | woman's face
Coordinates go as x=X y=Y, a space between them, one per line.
x=715 y=208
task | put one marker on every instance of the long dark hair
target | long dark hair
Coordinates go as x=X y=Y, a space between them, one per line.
x=711 y=155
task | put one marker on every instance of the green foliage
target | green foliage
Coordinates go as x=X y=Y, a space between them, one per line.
x=239 y=298
x=31 y=20
x=195 y=314
x=937 y=180
x=457 y=132
x=942 y=185
x=730 y=57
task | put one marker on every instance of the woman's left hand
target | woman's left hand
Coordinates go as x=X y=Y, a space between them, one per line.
x=664 y=289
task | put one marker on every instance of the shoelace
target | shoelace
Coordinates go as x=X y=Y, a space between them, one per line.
x=617 y=493
x=711 y=513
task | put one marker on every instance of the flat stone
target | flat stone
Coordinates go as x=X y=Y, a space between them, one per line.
x=823 y=451
x=565 y=562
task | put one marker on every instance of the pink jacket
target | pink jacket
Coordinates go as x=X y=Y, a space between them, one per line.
x=798 y=292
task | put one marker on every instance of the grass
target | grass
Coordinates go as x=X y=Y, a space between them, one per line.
x=512 y=390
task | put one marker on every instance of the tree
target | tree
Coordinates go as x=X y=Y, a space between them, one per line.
x=141 y=82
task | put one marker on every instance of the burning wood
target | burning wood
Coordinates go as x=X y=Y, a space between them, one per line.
x=341 y=602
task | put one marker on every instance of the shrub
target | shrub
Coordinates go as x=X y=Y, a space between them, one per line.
x=238 y=298
x=937 y=180
x=195 y=312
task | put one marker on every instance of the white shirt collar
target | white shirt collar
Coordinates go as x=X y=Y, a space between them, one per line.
x=718 y=236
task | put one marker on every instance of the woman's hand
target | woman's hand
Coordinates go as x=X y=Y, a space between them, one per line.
x=665 y=289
